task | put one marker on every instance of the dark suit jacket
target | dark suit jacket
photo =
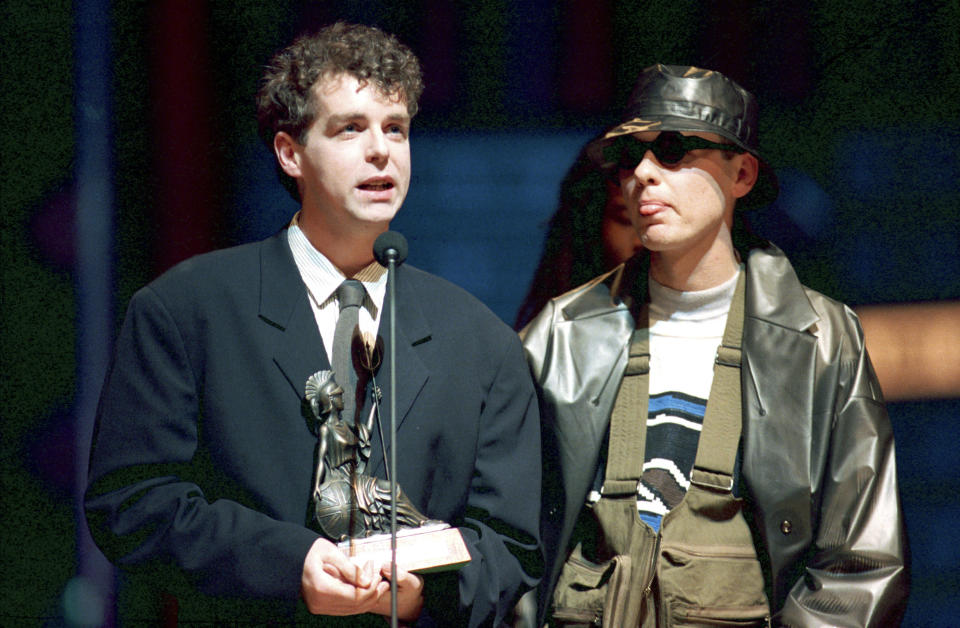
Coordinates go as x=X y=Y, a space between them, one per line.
x=202 y=460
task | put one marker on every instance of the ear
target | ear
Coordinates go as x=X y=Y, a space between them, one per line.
x=287 y=151
x=748 y=169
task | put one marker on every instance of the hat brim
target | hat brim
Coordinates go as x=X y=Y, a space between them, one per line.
x=764 y=191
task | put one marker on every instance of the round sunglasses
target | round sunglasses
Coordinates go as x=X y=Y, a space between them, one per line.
x=626 y=151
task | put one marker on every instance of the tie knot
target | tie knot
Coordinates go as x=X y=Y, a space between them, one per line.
x=350 y=293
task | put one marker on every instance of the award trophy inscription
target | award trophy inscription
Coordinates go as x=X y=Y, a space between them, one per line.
x=353 y=508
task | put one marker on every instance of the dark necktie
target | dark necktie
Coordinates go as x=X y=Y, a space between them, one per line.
x=350 y=296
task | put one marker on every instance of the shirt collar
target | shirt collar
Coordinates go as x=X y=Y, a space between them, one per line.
x=322 y=277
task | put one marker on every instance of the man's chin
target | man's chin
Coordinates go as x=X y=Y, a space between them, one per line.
x=375 y=225
x=376 y=213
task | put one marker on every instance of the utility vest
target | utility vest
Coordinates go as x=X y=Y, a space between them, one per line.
x=701 y=569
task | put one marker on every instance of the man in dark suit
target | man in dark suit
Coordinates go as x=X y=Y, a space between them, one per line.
x=203 y=457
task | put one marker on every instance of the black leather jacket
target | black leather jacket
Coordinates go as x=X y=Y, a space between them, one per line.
x=818 y=469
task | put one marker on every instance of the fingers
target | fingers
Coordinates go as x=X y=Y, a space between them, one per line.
x=332 y=585
x=404 y=578
x=327 y=595
x=338 y=565
x=409 y=594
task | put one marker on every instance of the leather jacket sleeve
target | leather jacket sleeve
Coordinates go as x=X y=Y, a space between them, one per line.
x=855 y=572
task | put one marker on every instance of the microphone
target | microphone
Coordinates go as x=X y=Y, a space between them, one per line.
x=390 y=249
x=390 y=245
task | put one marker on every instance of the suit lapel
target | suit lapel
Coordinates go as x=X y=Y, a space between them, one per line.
x=412 y=330
x=284 y=304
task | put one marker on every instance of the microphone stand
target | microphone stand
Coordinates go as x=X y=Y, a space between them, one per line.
x=392 y=293
x=390 y=249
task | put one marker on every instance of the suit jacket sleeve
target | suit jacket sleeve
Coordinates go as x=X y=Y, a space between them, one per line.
x=500 y=524
x=146 y=508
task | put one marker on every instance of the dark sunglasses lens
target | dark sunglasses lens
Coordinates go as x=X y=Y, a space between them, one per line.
x=633 y=153
x=627 y=152
x=669 y=148
x=613 y=152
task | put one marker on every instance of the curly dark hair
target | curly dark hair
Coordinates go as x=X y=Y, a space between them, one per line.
x=285 y=100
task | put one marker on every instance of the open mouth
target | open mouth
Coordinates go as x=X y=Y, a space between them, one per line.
x=376 y=186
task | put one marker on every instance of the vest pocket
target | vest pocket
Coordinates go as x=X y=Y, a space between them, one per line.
x=712 y=586
x=585 y=588
x=688 y=618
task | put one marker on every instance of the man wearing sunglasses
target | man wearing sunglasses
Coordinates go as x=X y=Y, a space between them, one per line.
x=716 y=449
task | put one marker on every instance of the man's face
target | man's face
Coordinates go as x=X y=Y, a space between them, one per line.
x=681 y=207
x=355 y=165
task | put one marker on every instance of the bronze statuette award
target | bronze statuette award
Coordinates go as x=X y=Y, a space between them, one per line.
x=353 y=508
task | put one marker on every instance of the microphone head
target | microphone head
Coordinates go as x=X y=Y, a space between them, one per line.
x=390 y=245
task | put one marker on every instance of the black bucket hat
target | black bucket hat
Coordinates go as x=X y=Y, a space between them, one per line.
x=686 y=98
